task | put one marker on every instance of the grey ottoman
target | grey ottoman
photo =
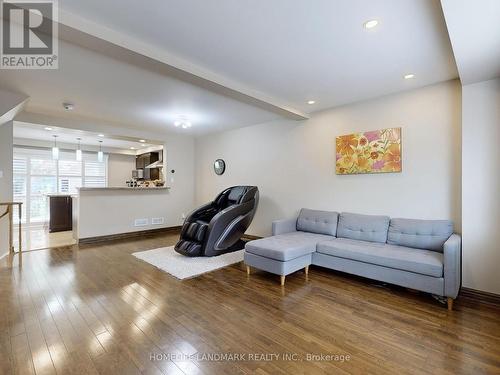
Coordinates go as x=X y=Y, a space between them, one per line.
x=283 y=254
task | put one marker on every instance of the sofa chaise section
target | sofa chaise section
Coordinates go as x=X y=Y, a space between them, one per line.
x=292 y=244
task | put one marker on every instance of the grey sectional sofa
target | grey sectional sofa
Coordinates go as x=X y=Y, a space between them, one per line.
x=419 y=254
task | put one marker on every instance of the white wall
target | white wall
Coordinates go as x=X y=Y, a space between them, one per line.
x=293 y=163
x=481 y=185
x=180 y=157
x=5 y=181
x=120 y=169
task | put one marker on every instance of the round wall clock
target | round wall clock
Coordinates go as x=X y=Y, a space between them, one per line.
x=219 y=166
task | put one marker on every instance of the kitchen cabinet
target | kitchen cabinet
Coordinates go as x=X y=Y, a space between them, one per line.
x=61 y=213
x=143 y=160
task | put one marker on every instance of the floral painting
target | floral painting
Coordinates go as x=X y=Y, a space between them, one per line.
x=377 y=151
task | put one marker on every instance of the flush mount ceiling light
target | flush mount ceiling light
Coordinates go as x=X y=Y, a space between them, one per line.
x=370 y=24
x=311 y=102
x=132 y=148
x=48 y=128
x=184 y=124
x=68 y=106
x=100 y=135
x=409 y=76
x=142 y=140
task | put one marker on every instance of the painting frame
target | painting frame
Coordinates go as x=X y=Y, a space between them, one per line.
x=369 y=152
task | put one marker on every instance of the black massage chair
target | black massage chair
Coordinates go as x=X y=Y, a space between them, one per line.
x=217 y=227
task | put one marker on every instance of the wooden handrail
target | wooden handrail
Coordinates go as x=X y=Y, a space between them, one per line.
x=9 y=211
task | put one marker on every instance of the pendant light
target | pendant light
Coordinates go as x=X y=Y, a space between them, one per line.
x=79 y=151
x=55 y=149
x=100 y=155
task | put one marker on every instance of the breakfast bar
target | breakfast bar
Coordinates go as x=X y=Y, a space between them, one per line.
x=108 y=212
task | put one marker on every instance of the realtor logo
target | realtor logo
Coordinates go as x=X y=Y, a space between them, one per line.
x=29 y=34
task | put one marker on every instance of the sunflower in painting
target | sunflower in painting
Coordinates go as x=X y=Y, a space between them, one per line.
x=346 y=144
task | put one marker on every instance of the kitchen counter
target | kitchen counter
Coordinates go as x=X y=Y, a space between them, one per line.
x=123 y=188
x=99 y=211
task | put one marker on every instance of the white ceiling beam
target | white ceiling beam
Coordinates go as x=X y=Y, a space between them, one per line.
x=474 y=32
x=11 y=104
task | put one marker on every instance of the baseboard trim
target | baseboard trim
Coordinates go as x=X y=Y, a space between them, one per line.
x=480 y=296
x=119 y=236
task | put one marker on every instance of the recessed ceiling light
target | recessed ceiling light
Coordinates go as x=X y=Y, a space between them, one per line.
x=311 y=102
x=370 y=24
x=100 y=135
x=132 y=148
x=409 y=76
x=142 y=140
x=48 y=128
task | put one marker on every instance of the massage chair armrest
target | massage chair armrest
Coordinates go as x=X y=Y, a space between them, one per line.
x=226 y=215
x=222 y=220
x=284 y=226
x=452 y=265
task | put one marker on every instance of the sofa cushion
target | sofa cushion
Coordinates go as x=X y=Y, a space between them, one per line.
x=286 y=246
x=420 y=234
x=424 y=262
x=314 y=221
x=371 y=228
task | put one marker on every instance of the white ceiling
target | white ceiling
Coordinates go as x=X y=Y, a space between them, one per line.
x=294 y=50
x=291 y=50
x=474 y=28
x=69 y=136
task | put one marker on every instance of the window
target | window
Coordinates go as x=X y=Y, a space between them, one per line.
x=70 y=176
x=43 y=167
x=69 y=185
x=20 y=168
x=35 y=175
x=42 y=181
x=95 y=174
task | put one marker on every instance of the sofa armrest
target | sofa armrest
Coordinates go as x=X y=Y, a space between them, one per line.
x=284 y=226
x=452 y=265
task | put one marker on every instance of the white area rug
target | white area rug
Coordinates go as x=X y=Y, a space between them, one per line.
x=182 y=267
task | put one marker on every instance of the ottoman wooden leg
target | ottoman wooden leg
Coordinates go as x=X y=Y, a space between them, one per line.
x=306 y=270
x=248 y=270
x=450 y=303
x=282 y=280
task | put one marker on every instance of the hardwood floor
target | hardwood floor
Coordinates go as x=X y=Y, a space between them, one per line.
x=96 y=309
x=35 y=237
